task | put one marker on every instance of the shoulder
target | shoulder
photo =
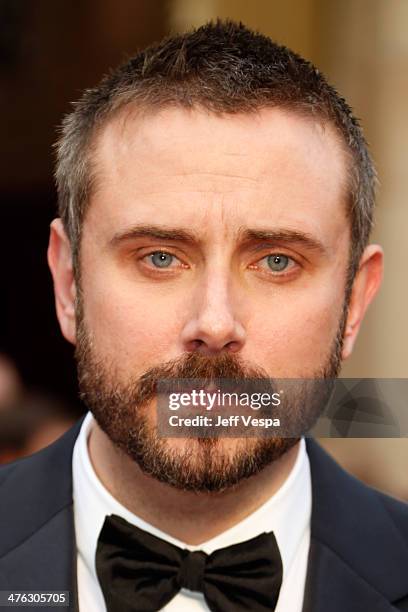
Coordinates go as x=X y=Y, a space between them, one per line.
x=359 y=542
x=35 y=488
x=52 y=459
x=363 y=528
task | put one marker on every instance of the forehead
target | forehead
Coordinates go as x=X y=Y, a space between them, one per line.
x=272 y=165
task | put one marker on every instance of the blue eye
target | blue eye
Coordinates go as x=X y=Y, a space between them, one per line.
x=160 y=259
x=278 y=262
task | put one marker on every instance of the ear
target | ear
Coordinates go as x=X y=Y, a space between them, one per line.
x=365 y=286
x=60 y=262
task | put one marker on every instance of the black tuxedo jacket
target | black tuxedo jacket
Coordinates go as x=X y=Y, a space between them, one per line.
x=358 y=560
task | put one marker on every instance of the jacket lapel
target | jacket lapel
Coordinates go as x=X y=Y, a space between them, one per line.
x=358 y=558
x=37 y=547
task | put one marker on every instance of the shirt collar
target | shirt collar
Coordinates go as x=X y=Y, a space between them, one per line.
x=287 y=513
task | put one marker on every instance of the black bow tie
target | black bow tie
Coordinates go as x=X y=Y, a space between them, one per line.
x=139 y=572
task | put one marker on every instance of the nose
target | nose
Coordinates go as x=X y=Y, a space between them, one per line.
x=214 y=325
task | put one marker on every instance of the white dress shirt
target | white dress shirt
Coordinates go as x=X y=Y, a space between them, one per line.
x=287 y=513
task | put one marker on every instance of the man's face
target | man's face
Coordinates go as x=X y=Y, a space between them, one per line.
x=216 y=180
x=214 y=237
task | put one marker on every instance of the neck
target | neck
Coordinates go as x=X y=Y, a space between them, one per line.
x=190 y=517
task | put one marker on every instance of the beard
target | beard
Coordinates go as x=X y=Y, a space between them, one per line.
x=124 y=412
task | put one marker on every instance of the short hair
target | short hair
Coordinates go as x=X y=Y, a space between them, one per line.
x=225 y=68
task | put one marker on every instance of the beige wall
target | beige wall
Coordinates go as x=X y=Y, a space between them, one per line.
x=367 y=58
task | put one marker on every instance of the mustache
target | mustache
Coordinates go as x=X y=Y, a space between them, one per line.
x=226 y=371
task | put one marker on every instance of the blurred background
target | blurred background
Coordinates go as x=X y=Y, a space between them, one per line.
x=50 y=51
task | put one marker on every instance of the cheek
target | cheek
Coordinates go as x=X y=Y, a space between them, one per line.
x=293 y=337
x=128 y=326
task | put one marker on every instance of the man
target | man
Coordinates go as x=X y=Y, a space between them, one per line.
x=216 y=199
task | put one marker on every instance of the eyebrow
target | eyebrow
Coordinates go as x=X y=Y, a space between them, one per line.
x=176 y=234
x=287 y=236
x=154 y=231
